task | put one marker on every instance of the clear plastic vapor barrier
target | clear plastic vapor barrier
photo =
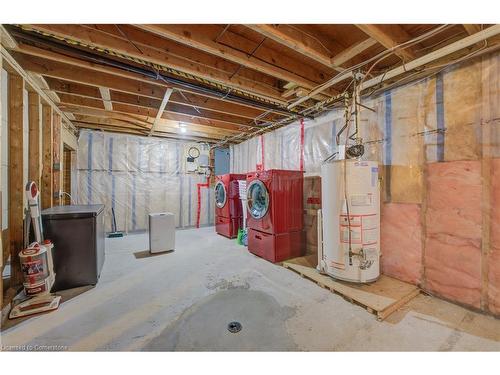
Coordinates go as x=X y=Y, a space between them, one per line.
x=437 y=143
x=136 y=176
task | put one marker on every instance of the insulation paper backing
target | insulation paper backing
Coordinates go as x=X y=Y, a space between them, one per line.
x=437 y=144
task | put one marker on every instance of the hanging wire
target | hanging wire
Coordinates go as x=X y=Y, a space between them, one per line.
x=387 y=52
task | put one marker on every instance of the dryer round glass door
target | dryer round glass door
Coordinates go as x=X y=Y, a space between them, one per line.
x=220 y=194
x=257 y=199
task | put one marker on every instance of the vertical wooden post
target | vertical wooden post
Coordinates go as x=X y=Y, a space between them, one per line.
x=46 y=184
x=2 y=263
x=488 y=104
x=34 y=137
x=16 y=188
x=56 y=158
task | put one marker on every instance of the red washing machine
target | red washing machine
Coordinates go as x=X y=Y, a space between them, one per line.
x=275 y=214
x=228 y=210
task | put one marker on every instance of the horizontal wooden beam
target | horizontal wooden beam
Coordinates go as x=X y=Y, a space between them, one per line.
x=293 y=40
x=160 y=134
x=106 y=98
x=163 y=104
x=10 y=61
x=117 y=125
x=141 y=120
x=174 y=106
x=76 y=70
x=134 y=109
x=472 y=28
x=353 y=51
x=95 y=39
x=119 y=122
x=180 y=102
x=184 y=34
x=485 y=34
x=389 y=39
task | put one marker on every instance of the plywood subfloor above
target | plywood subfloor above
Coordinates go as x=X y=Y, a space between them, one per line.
x=382 y=297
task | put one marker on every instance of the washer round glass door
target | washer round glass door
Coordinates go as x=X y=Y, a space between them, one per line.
x=220 y=194
x=257 y=199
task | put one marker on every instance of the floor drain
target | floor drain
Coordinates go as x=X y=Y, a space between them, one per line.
x=234 y=327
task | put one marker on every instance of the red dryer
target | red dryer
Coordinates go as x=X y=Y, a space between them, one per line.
x=275 y=214
x=228 y=210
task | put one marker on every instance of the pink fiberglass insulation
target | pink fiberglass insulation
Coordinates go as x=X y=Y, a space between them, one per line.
x=494 y=256
x=453 y=224
x=401 y=241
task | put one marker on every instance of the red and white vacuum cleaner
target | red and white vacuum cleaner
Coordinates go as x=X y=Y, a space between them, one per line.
x=37 y=265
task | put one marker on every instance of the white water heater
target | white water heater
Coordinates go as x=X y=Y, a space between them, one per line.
x=349 y=237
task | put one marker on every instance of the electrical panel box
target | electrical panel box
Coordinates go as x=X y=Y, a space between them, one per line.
x=196 y=158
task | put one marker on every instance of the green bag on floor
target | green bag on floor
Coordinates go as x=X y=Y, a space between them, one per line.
x=239 y=238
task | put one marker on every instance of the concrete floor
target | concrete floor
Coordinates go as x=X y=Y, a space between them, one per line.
x=184 y=300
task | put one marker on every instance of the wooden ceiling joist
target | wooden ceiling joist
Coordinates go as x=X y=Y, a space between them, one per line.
x=72 y=92
x=183 y=34
x=389 y=38
x=160 y=134
x=149 y=107
x=90 y=115
x=471 y=28
x=353 y=51
x=150 y=113
x=163 y=104
x=145 y=86
x=491 y=32
x=288 y=65
x=99 y=40
x=126 y=114
x=309 y=48
x=115 y=123
x=294 y=41
x=106 y=98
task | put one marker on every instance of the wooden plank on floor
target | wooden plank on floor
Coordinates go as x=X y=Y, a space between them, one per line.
x=16 y=186
x=310 y=260
x=381 y=297
x=46 y=185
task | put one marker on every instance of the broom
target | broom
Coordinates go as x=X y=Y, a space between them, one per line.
x=114 y=233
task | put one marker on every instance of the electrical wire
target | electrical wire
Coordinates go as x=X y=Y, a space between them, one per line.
x=389 y=51
x=468 y=56
x=158 y=67
x=432 y=69
x=313 y=37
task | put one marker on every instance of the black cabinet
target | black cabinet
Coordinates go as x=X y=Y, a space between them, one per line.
x=77 y=232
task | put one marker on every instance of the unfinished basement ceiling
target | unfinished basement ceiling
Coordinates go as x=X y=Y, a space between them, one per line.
x=229 y=81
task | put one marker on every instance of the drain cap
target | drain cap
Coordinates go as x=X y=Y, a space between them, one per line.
x=234 y=327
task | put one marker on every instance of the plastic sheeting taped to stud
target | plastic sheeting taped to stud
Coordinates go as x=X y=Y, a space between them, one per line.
x=137 y=176
x=436 y=140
